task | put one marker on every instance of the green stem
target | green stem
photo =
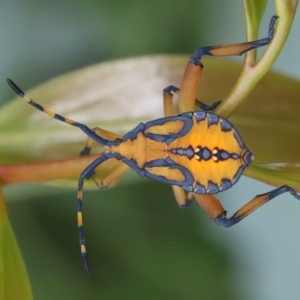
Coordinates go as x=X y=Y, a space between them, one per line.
x=252 y=74
x=50 y=170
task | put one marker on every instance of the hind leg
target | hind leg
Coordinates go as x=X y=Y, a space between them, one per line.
x=212 y=206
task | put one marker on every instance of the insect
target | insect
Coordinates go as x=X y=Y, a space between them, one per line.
x=197 y=152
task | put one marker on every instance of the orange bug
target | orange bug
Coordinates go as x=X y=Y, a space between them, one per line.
x=199 y=152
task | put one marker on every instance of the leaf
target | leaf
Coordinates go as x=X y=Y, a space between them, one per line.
x=254 y=10
x=253 y=70
x=100 y=95
x=134 y=238
x=276 y=174
x=115 y=95
x=14 y=281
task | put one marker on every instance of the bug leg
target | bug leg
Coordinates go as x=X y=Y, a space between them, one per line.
x=233 y=49
x=89 y=170
x=89 y=132
x=214 y=209
x=168 y=93
x=252 y=205
x=181 y=198
x=207 y=107
x=111 y=178
x=210 y=204
x=193 y=72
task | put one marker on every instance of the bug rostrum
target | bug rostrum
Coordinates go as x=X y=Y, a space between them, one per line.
x=198 y=153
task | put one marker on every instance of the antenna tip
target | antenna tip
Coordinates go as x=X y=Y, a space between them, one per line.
x=15 y=88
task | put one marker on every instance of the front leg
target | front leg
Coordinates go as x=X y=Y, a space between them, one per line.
x=168 y=101
x=192 y=76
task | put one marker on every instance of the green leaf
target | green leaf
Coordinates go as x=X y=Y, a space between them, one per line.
x=14 y=282
x=140 y=245
x=276 y=174
x=268 y=121
x=253 y=70
x=115 y=95
x=254 y=10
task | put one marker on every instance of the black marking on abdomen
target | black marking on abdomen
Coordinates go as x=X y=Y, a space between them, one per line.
x=189 y=151
x=203 y=153
x=221 y=155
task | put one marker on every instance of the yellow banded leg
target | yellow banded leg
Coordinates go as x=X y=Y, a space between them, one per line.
x=88 y=131
x=116 y=174
x=87 y=173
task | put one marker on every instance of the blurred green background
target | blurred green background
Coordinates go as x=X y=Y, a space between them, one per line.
x=140 y=244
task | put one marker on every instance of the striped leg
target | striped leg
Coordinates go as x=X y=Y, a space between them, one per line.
x=193 y=72
x=89 y=132
x=88 y=172
x=101 y=136
x=215 y=210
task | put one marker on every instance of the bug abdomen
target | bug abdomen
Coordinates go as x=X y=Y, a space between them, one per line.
x=212 y=151
x=198 y=151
